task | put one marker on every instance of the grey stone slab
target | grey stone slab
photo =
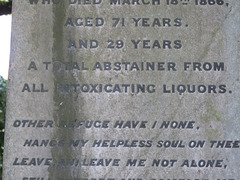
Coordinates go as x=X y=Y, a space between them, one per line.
x=135 y=90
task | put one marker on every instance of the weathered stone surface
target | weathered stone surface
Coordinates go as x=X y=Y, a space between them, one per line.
x=153 y=96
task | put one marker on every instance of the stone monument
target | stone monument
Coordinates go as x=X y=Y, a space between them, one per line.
x=124 y=90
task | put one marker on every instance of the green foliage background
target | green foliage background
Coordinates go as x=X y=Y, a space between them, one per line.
x=3 y=95
x=5 y=7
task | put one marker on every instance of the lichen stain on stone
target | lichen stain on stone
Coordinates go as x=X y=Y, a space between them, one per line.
x=35 y=39
x=212 y=114
x=67 y=108
x=207 y=47
x=211 y=117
